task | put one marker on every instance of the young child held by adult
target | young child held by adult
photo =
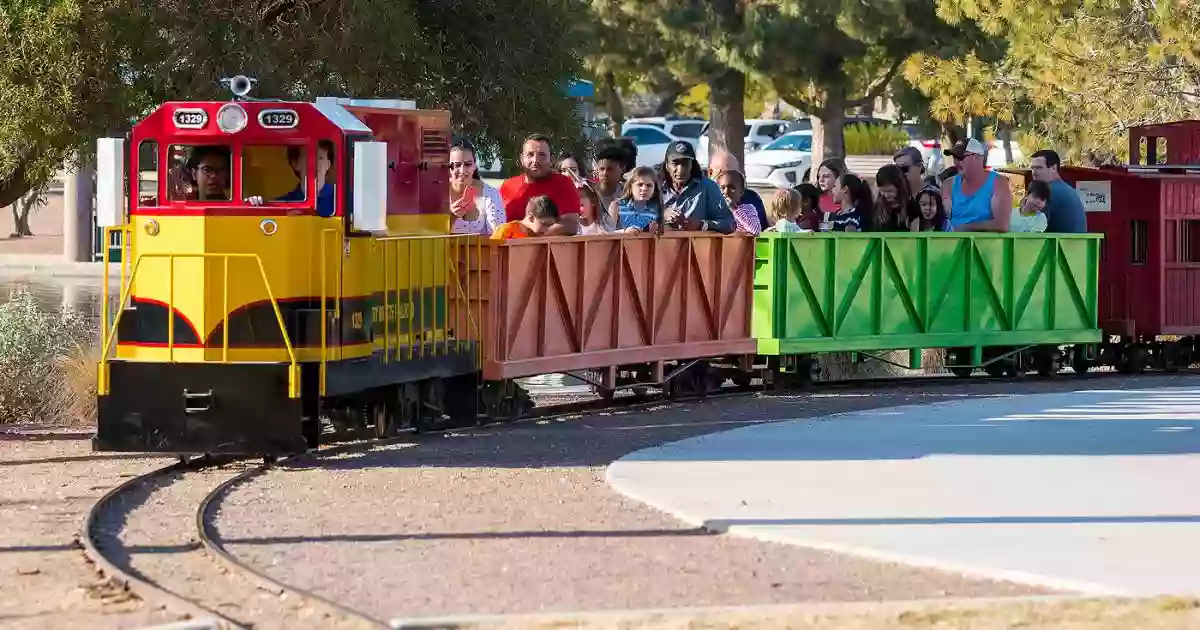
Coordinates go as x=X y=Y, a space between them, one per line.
x=638 y=208
x=733 y=185
x=784 y=211
x=592 y=220
x=1030 y=215
x=540 y=215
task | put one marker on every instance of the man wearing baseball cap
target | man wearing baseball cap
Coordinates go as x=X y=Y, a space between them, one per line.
x=690 y=200
x=977 y=200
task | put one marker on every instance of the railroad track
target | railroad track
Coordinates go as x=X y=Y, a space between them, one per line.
x=214 y=589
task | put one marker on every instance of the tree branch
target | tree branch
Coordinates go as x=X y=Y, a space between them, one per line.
x=876 y=90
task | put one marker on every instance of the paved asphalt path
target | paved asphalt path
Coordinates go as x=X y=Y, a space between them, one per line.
x=1087 y=491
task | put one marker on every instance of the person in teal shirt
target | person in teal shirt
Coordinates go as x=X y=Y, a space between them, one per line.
x=1064 y=210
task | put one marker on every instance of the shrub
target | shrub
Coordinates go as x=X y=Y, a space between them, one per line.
x=874 y=139
x=45 y=363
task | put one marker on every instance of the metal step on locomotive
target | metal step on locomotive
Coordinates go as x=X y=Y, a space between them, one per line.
x=285 y=262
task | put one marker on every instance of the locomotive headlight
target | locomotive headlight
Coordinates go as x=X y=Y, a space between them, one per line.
x=231 y=118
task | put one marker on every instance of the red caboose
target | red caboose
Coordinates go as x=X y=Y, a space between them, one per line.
x=1149 y=212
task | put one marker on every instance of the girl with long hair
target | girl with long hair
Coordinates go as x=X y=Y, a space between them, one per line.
x=856 y=208
x=893 y=211
x=932 y=215
x=639 y=208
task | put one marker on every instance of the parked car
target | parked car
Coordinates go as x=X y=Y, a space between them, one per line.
x=783 y=163
x=759 y=133
x=652 y=144
x=686 y=127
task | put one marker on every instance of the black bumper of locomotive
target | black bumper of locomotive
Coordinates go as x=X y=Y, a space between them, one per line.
x=191 y=408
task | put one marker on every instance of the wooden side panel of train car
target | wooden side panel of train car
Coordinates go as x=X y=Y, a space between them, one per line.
x=579 y=303
x=826 y=292
x=1132 y=252
x=1180 y=296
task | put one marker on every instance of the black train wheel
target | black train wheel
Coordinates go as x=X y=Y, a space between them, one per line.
x=1049 y=362
x=1133 y=359
x=959 y=357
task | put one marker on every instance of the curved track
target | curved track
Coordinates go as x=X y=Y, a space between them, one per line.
x=212 y=608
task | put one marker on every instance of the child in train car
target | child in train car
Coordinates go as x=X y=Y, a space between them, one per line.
x=810 y=206
x=932 y=217
x=745 y=216
x=855 y=203
x=1030 y=215
x=639 y=207
x=592 y=220
x=540 y=215
x=786 y=208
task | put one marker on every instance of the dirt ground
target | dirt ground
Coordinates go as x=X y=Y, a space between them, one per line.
x=50 y=479
x=1155 y=614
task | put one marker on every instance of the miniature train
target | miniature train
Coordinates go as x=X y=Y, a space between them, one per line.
x=243 y=327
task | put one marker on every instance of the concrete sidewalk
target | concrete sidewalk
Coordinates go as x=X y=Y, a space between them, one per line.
x=1087 y=491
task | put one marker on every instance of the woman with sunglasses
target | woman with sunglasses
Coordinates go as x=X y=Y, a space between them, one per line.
x=475 y=207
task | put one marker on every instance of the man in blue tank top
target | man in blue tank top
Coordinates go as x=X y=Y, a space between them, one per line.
x=977 y=200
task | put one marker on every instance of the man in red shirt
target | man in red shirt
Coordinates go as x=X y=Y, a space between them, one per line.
x=540 y=179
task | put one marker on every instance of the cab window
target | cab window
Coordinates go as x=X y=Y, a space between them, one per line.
x=275 y=173
x=199 y=173
x=147 y=173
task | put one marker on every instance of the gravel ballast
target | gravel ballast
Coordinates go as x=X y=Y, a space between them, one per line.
x=518 y=519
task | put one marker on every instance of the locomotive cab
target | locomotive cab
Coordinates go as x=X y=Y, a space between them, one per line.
x=250 y=272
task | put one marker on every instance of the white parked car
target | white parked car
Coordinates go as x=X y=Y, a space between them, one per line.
x=652 y=143
x=686 y=128
x=759 y=133
x=783 y=163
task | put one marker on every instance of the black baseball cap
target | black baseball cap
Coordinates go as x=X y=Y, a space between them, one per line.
x=958 y=150
x=680 y=149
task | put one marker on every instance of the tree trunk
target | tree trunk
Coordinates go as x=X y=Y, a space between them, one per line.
x=668 y=90
x=22 y=219
x=614 y=105
x=728 y=116
x=828 y=125
x=1006 y=138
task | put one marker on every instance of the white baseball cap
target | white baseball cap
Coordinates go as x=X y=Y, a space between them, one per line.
x=976 y=147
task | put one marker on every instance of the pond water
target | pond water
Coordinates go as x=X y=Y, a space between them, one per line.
x=52 y=293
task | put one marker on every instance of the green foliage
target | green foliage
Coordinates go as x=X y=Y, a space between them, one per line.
x=39 y=352
x=822 y=56
x=73 y=69
x=1075 y=74
x=874 y=139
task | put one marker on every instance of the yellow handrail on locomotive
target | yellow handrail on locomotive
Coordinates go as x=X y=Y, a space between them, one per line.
x=451 y=278
x=111 y=333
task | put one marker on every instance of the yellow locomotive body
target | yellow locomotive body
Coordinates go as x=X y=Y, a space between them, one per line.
x=282 y=262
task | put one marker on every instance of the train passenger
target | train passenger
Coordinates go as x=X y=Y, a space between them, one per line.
x=541 y=216
x=608 y=173
x=977 y=200
x=785 y=210
x=810 y=206
x=910 y=161
x=325 y=191
x=894 y=207
x=1064 y=209
x=723 y=161
x=539 y=179
x=640 y=207
x=932 y=217
x=207 y=170
x=855 y=207
x=828 y=174
x=476 y=207
x=570 y=166
x=1029 y=215
x=745 y=216
x=592 y=218
x=690 y=200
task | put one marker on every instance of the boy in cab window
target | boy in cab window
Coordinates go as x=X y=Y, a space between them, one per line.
x=541 y=214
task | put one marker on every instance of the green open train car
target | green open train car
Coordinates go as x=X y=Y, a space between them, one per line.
x=868 y=292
